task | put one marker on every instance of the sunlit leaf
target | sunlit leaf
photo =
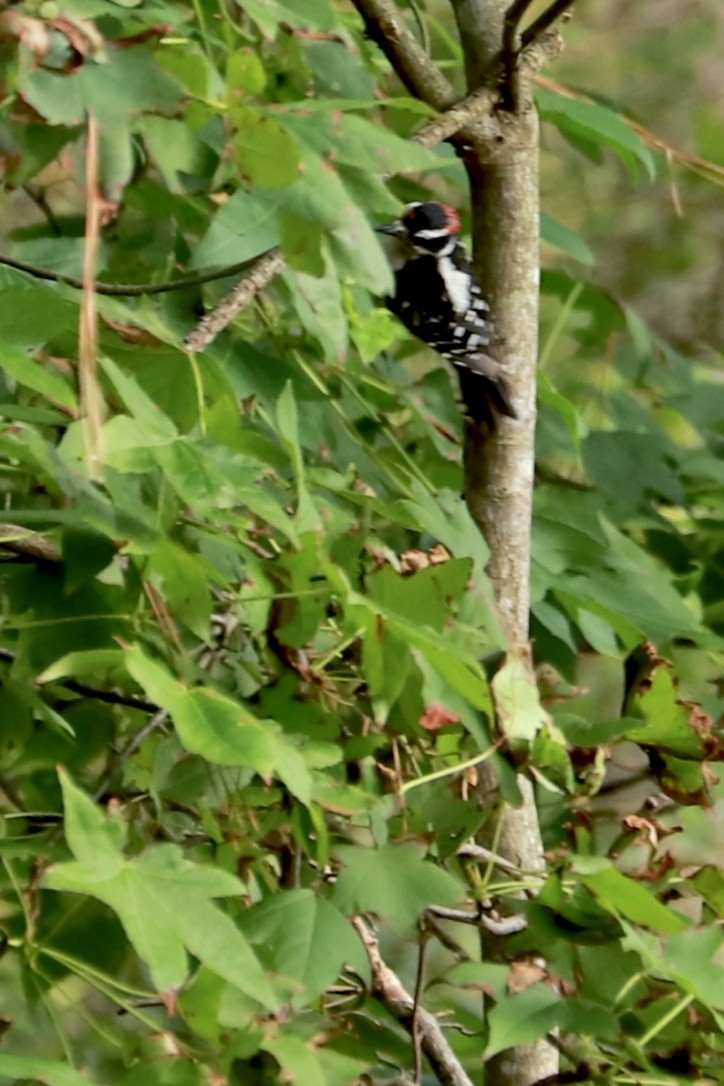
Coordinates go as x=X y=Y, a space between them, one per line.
x=146 y=892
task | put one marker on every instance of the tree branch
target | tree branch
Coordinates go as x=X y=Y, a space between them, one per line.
x=535 y=31
x=385 y=26
x=110 y=697
x=24 y=542
x=509 y=51
x=505 y=925
x=243 y=293
x=387 y=986
x=477 y=108
x=126 y=290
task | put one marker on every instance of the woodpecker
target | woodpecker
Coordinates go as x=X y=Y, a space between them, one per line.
x=438 y=300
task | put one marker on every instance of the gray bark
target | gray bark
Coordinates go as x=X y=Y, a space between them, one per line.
x=499 y=466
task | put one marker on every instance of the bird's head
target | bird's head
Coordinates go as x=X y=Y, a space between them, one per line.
x=429 y=228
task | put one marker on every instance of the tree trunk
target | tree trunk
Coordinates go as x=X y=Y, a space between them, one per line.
x=499 y=465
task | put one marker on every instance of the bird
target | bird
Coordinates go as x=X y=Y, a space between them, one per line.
x=437 y=299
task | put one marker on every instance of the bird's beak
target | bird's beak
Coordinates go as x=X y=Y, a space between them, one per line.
x=396 y=228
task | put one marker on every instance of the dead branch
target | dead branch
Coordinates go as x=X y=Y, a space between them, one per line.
x=387 y=987
x=261 y=275
x=26 y=543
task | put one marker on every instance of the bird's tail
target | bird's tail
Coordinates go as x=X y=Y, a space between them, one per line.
x=484 y=389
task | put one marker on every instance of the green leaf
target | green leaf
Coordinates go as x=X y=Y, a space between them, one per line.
x=458 y=668
x=301 y=244
x=179 y=153
x=626 y=898
x=307 y=518
x=595 y=122
x=48 y=382
x=669 y=724
x=393 y=881
x=318 y=302
x=429 y=592
x=267 y=14
x=693 y=960
x=386 y=665
x=305 y=938
x=185 y=582
x=264 y=151
x=139 y=403
x=92 y=836
x=488 y=977
x=244 y=75
x=585 y=1018
x=219 y=729
x=85 y=553
x=19 y=324
x=520 y=713
x=608 y=458
x=521 y=1019
x=129 y=81
x=49 y=1072
x=76 y=664
x=355 y=141
x=243 y=228
x=299 y=1062
x=564 y=239
x=162 y=900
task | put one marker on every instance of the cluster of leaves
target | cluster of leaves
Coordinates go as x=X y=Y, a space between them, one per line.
x=255 y=644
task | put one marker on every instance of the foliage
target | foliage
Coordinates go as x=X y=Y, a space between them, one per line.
x=255 y=645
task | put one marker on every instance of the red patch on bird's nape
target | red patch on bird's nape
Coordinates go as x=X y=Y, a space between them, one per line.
x=453 y=219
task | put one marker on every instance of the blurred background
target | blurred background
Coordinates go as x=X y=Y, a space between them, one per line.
x=661 y=63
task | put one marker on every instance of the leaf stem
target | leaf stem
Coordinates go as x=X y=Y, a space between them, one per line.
x=664 y=1021
x=449 y=771
x=561 y=321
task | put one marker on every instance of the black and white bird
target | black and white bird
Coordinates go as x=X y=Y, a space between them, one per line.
x=438 y=300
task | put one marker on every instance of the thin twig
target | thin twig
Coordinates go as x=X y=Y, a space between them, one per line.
x=159 y=717
x=532 y=33
x=90 y=393
x=503 y=925
x=110 y=697
x=509 y=51
x=443 y=937
x=513 y=16
x=38 y=198
x=398 y=1001
x=474 y=851
x=417 y=1001
x=127 y=290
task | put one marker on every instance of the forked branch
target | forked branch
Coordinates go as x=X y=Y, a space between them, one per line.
x=387 y=987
